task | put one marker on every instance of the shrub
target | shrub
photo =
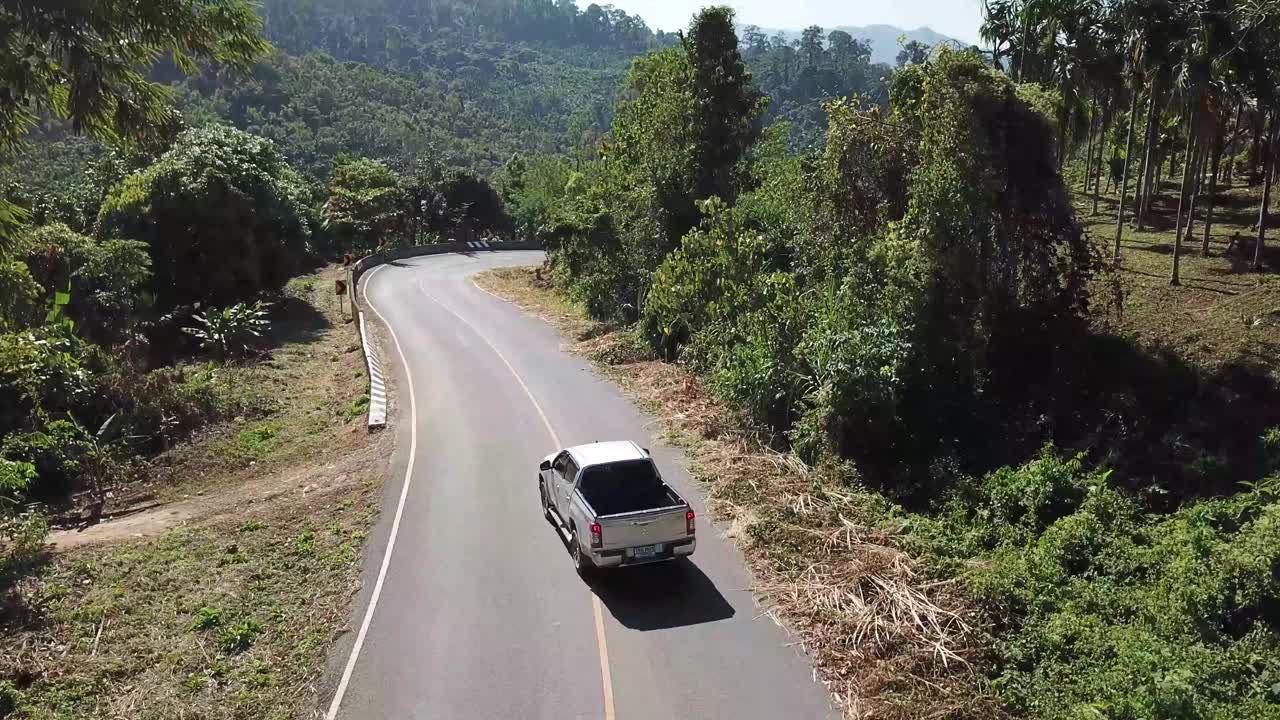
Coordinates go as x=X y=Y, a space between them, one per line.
x=1108 y=611
x=22 y=533
x=751 y=354
x=229 y=331
x=104 y=281
x=706 y=280
x=19 y=296
x=44 y=372
x=60 y=451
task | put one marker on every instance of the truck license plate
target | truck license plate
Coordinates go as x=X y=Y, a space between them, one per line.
x=646 y=550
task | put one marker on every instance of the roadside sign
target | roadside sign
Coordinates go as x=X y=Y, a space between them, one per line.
x=339 y=287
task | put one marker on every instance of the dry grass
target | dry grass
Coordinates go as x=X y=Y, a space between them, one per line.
x=889 y=641
x=223 y=601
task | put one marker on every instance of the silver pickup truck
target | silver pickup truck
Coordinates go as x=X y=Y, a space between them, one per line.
x=610 y=504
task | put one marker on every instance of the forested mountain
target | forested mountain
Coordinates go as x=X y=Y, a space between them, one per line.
x=800 y=76
x=413 y=34
x=883 y=39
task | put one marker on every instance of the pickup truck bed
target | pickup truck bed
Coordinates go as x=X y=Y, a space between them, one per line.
x=625 y=487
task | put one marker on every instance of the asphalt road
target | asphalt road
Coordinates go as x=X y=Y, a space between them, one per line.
x=479 y=613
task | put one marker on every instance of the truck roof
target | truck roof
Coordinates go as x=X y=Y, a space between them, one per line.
x=602 y=453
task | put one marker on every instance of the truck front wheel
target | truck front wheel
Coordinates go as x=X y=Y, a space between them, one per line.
x=546 y=505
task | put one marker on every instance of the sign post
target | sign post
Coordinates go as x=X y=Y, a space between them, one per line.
x=340 y=289
x=346 y=265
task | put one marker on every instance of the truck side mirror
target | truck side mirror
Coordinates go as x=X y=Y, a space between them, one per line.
x=545 y=465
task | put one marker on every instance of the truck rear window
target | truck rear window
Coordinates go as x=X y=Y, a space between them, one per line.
x=623 y=487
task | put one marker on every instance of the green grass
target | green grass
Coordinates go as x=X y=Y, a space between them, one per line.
x=257 y=442
x=228 y=618
x=1221 y=314
x=225 y=621
x=359 y=406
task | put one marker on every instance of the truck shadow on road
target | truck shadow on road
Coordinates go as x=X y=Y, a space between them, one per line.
x=657 y=597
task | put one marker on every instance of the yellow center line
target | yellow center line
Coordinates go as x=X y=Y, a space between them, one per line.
x=606 y=678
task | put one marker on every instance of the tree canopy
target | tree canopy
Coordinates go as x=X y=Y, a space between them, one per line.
x=86 y=62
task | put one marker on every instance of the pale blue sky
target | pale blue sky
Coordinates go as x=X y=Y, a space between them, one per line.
x=957 y=18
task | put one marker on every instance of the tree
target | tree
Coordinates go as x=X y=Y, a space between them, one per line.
x=913 y=52
x=694 y=113
x=474 y=206
x=102 y=281
x=811 y=46
x=86 y=62
x=1268 y=172
x=222 y=214
x=728 y=103
x=365 y=205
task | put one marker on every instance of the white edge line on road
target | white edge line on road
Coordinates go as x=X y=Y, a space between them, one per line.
x=606 y=677
x=395 y=523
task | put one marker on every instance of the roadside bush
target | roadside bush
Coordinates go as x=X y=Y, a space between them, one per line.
x=19 y=296
x=229 y=331
x=855 y=353
x=222 y=213
x=1113 y=612
x=750 y=355
x=589 y=261
x=705 y=281
x=22 y=533
x=80 y=418
x=104 y=281
x=57 y=451
x=44 y=372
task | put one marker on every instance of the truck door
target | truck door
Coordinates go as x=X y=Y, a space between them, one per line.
x=567 y=484
x=563 y=473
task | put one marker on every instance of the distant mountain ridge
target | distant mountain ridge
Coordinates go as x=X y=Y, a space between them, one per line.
x=883 y=38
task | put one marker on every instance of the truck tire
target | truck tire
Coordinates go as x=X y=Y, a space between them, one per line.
x=581 y=562
x=546 y=506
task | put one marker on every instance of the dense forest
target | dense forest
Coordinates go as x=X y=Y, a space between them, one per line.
x=884 y=272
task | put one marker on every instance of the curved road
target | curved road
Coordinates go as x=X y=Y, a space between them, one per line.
x=479 y=613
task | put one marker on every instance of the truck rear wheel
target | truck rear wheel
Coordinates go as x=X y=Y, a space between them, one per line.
x=580 y=561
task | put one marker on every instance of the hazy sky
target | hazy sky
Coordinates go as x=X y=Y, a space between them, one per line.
x=957 y=18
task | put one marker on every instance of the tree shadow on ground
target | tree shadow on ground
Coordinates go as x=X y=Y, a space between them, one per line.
x=294 y=320
x=1171 y=430
x=16 y=612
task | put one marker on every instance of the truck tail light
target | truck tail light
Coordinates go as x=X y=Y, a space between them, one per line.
x=597 y=539
x=688 y=522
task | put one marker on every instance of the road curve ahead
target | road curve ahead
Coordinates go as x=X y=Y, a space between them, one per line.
x=479 y=613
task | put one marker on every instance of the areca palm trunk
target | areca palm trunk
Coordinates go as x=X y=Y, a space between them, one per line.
x=1128 y=161
x=1088 y=161
x=1175 y=279
x=1268 y=173
x=1143 y=198
x=1213 y=191
x=1102 y=142
x=1197 y=183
